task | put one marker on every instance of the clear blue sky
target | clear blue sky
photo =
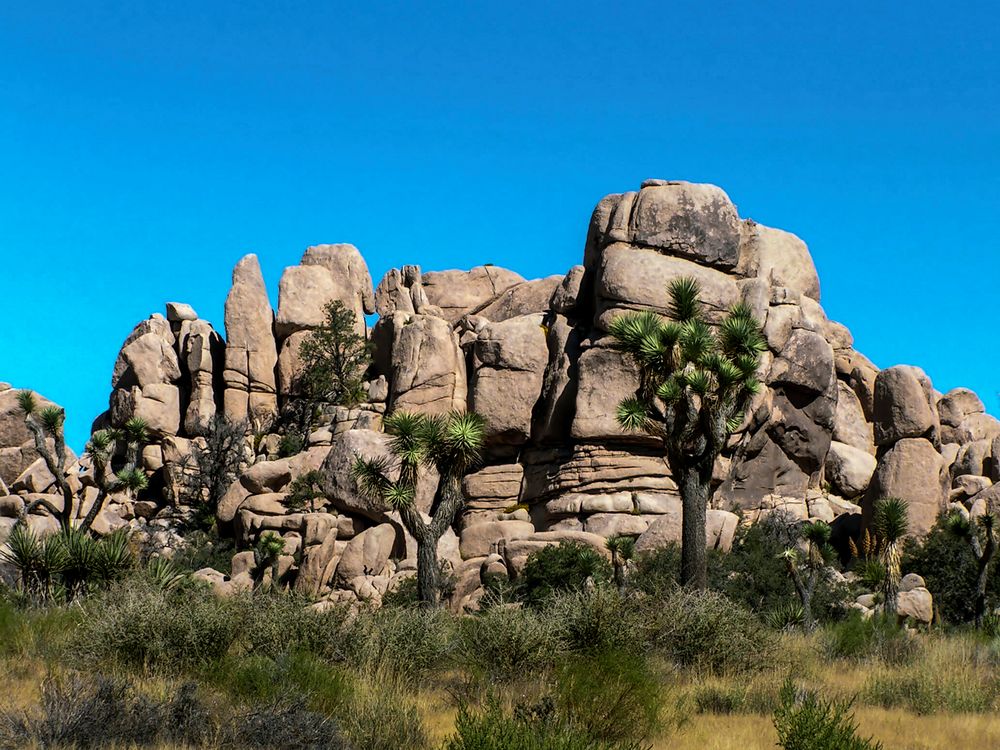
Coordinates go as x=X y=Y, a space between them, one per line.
x=145 y=147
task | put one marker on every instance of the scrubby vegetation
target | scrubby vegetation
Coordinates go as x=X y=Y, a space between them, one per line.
x=571 y=660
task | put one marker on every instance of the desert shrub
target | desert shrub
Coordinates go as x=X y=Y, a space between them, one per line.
x=259 y=679
x=527 y=728
x=405 y=641
x=613 y=697
x=138 y=625
x=948 y=567
x=875 y=637
x=85 y=711
x=381 y=717
x=597 y=620
x=272 y=624
x=807 y=722
x=507 y=642
x=659 y=570
x=707 y=631
x=562 y=567
x=723 y=698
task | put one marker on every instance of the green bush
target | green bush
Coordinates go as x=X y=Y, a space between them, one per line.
x=599 y=620
x=507 y=642
x=535 y=728
x=874 y=637
x=612 y=697
x=205 y=549
x=563 y=567
x=807 y=722
x=707 y=631
x=140 y=626
x=409 y=642
x=948 y=567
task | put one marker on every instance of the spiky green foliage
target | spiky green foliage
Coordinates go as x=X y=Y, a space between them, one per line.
x=52 y=418
x=810 y=567
x=451 y=445
x=696 y=385
x=890 y=520
x=26 y=402
x=981 y=534
x=304 y=491
x=164 y=574
x=133 y=480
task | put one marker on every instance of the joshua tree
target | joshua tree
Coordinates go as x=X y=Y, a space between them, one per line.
x=622 y=549
x=48 y=423
x=452 y=444
x=44 y=424
x=890 y=519
x=807 y=568
x=695 y=385
x=981 y=534
x=334 y=358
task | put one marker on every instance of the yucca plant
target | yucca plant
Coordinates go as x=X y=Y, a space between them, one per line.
x=164 y=574
x=452 y=444
x=696 y=383
x=808 y=566
x=622 y=549
x=266 y=555
x=114 y=557
x=981 y=534
x=890 y=520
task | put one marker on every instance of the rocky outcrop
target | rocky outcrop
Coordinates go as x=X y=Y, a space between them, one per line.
x=828 y=435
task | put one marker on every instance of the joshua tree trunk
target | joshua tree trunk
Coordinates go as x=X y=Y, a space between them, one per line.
x=805 y=592
x=695 y=488
x=984 y=556
x=55 y=461
x=427 y=535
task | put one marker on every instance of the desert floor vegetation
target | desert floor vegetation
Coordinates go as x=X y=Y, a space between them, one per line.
x=141 y=664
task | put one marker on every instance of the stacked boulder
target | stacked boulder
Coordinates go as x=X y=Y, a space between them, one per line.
x=828 y=435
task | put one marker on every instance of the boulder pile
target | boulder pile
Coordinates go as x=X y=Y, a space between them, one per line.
x=828 y=435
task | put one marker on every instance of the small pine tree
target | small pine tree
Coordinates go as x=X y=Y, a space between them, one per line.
x=333 y=358
x=695 y=385
x=216 y=462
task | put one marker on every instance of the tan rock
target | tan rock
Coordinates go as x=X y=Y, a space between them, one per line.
x=901 y=405
x=911 y=470
x=850 y=425
x=509 y=363
x=481 y=539
x=458 y=293
x=428 y=367
x=848 y=469
x=784 y=260
x=368 y=553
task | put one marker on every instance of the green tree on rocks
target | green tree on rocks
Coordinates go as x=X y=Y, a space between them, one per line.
x=981 y=534
x=695 y=385
x=452 y=444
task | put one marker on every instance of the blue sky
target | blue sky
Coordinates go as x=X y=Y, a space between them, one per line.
x=145 y=147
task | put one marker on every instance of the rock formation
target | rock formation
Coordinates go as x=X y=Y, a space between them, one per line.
x=828 y=435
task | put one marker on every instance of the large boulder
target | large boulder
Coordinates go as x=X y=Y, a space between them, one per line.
x=848 y=469
x=368 y=553
x=352 y=281
x=686 y=220
x=303 y=293
x=720 y=529
x=509 y=360
x=849 y=423
x=521 y=299
x=147 y=355
x=458 y=293
x=901 y=405
x=427 y=365
x=251 y=353
x=911 y=470
x=636 y=278
x=556 y=408
x=782 y=259
x=604 y=377
x=202 y=352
